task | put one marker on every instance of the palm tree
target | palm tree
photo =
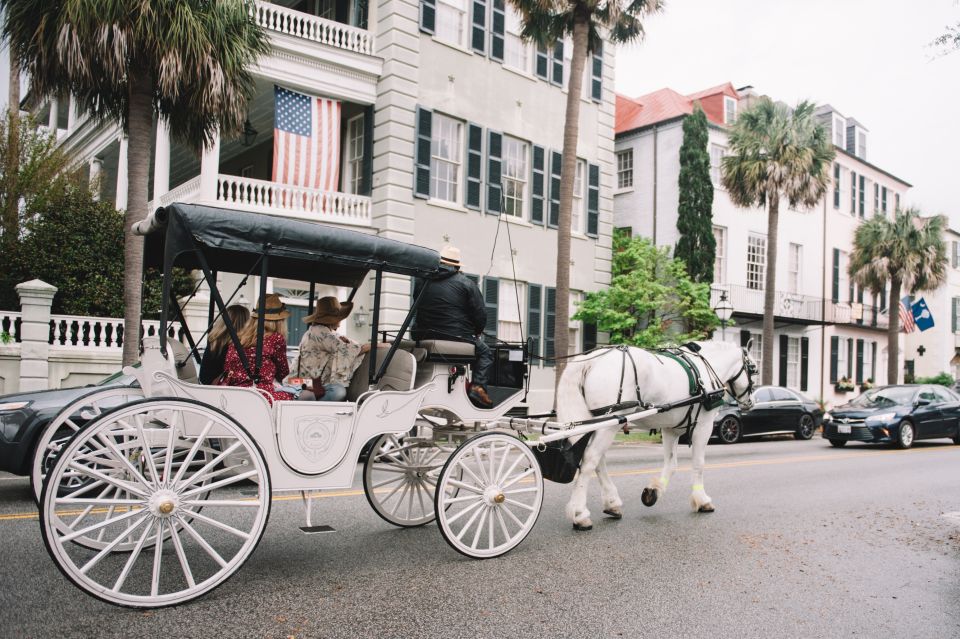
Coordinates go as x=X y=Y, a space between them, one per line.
x=547 y=22
x=187 y=62
x=776 y=153
x=909 y=253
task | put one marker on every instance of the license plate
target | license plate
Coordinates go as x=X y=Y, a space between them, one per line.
x=843 y=429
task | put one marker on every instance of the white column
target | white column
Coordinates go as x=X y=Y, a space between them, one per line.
x=161 y=161
x=71 y=114
x=209 y=170
x=36 y=298
x=372 y=16
x=52 y=120
x=96 y=172
x=121 y=199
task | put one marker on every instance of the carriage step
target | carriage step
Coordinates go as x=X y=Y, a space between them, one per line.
x=316 y=530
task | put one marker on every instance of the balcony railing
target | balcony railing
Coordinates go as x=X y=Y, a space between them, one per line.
x=293 y=201
x=103 y=334
x=303 y=25
x=856 y=314
x=803 y=308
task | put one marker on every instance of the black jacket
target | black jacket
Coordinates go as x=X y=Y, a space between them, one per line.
x=451 y=307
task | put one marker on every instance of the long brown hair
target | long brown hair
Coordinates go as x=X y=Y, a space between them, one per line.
x=219 y=337
x=248 y=334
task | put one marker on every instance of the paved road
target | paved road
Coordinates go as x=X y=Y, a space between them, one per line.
x=807 y=541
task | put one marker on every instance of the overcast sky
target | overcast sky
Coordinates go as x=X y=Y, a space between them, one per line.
x=868 y=58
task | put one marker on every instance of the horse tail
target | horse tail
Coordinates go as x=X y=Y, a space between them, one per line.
x=571 y=403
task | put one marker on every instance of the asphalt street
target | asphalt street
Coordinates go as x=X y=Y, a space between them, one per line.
x=807 y=541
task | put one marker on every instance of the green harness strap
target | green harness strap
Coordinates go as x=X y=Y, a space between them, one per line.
x=686 y=369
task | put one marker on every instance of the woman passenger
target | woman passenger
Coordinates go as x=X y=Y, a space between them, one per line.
x=327 y=356
x=274 y=366
x=211 y=367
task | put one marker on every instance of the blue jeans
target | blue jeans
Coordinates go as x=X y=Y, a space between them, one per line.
x=334 y=393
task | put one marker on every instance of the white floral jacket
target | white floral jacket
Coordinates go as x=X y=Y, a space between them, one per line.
x=324 y=353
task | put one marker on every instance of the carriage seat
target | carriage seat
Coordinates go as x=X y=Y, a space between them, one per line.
x=185 y=364
x=399 y=376
x=409 y=345
x=448 y=351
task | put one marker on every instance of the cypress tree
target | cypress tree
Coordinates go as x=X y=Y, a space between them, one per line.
x=697 y=246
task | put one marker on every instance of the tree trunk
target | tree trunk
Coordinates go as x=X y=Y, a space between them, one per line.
x=11 y=206
x=770 y=288
x=893 y=332
x=139 y=125
x=568 y=171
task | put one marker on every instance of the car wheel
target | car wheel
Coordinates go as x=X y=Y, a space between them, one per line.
x=730 y=430
x=906 y=435
x=805 y=428
x=837 y=443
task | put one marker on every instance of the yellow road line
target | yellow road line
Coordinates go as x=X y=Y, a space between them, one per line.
x=624 y=473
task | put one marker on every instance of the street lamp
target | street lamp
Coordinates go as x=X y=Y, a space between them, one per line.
x=724 y=311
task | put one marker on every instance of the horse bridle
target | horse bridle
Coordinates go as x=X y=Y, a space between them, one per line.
x=750 y=369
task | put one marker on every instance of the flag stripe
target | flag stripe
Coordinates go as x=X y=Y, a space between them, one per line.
x=306 y=148
x=906 y=316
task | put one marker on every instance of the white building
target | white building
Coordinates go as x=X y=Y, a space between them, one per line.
x=441 y=104
x=825 y=329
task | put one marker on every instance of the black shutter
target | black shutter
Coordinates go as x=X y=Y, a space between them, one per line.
x=421 y=172
x=744 y=338
x=496 y=31
x=873 y=361
x=859 y=301
x=836 y=186
x=556 y=75
x=473 y=278
x=494 y=149
x=784 y=341
x=342 y=11
x=538 y=178
x=366 y=186
x=428 y=16
x=836 y=276
x=883 y=300
x=491 y=297
x=478 y=33
x=859 y=361
x=596 y=86
x=549 y=326
x=593 y=200
x=556 y=163
x=534 y=318
x=543 y=63
x=834 y=358
x=589 y=336
x=850 y=357
x=474 y=166
x=953 y=315
x=853 y=192
x=863 y=188
x=804 y=361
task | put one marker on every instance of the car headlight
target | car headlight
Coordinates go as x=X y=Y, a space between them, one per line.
x=882 y=418
x=12 y=416
x=827 y=417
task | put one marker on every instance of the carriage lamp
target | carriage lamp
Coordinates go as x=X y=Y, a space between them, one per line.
x=360 y=317
x=724 y=311
x=249 y=133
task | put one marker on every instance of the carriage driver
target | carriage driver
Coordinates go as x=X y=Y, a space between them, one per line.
x=453 y=309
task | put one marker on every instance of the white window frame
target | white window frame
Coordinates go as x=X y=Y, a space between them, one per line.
x=839 y=131
x=446 y=150
x=794 y=267
x=756 y=248
x=578 y=209
x=717 y=153
x=756 y=352
x=955 y=257
x=514 y=172
x=517 y=54
x=449 y=12
x=860 y=143
x=843 y=279
x=868 y=360
x=842 y=349
x=353 y=158
x=729 y=110
x=720 y=257
x=625 y=170
x=575 y=327
x=510 y=317
x=793 y=362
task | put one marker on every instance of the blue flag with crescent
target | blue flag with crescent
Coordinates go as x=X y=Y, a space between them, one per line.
x=922 y=315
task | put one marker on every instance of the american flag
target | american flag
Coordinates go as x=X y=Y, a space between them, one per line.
x=306 y=140
x=906 y=315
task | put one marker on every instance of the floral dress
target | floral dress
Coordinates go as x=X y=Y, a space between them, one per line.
x=273 y=368
x=326 y=354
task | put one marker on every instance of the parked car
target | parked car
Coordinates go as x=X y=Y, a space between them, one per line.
x=776 y=410
x=897 y=415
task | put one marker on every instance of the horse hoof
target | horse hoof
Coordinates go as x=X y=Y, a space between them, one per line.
x=615 y=514
x=649 y=496
x=582 y=528
x=706 y=508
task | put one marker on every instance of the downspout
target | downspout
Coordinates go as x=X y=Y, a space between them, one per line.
x=823 y=297
x=655 y=129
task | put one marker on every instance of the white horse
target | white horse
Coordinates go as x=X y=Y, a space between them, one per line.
x=603 y=378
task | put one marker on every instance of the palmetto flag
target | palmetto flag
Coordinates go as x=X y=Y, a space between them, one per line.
x=306 y=140
x=922 y=316
x=906 y=315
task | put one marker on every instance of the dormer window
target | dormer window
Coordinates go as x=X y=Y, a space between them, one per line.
x=861 y=144
x=839 y=131
x=729 y=109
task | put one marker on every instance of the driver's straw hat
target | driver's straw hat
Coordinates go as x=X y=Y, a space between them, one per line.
x=450 y=255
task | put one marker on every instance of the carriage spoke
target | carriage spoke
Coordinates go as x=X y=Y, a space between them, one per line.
x=520 y=504
x=219 y=484
x=86 y=511
x=167 y=467
x=511 y=515
x=462 y=464
x=203 y=472
x=146 y=447
x=399 y=503
x=97 y=501
x=525 y=473
x=113 y=544
x=218 y=524
x=459 y=484
x=468 y=509
x=422 y=487
x=387 y=482
x=122 y=577
x=470 y=521
x=203 y=543
x=513 y=466
x=228 y=503
x=483 y=519
x=157 y=555
x=92 y=472
x=530 y=489
x=193 y=451
x=136 y=474
x=106 y=522
x=181 y=556
x=503 y=524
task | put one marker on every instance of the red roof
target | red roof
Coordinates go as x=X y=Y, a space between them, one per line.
x=667 y=104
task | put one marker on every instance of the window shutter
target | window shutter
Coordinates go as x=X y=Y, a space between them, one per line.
x=873 y=361
x=538 y=179
x=596 y=86
x=953 y=315
x=556 y=163
x=478 y=33
x=834 y=358
x=804 y=362
x=744 y=338
x=549 y=325
x=852 y=291
x=366 y=188
x=859 y=301
x=863 y=188
x=494 y=149
x=491 y=296
x=836 y=276
x=859 y=361
x=589 y=337
x=473 y=278
x=543 y=63
x=496 y=31
x=421 y=172
x=593 y=200
x=850 y=357
x=474 y=166
x=534 y=318
x=883 y=300
x=784 y=341
x=556 y=76
x=836 y=186
x=428 y=16
x=853 y=192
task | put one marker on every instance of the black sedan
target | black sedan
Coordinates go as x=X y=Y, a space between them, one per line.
x=776 y=411
x=897 y=415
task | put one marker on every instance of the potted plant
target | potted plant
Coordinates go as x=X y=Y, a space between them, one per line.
x=867 y=385
x=844 y=385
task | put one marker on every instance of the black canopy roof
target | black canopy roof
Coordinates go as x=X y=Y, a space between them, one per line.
x=233 y=241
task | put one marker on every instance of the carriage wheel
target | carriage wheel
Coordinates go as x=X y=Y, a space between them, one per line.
x=146 y=484
x=68 y=421
x=500 y=493
x=400 y=477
